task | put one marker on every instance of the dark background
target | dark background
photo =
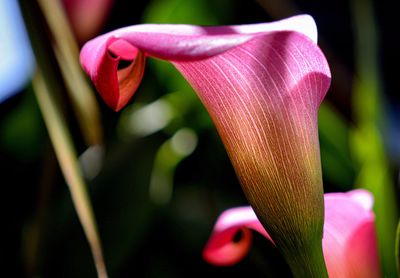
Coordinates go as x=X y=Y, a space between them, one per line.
x=141 y=238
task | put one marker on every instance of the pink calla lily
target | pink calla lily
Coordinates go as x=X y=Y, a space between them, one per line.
x=349 y=242
x=262 y=84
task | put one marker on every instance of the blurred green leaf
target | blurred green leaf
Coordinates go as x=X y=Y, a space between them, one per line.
x=337 y=165
x=21 y=130
x=181 y=144
x=366 y=139
x=121 y=200
x=180 y=11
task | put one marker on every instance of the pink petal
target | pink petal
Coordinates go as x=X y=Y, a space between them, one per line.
x=362 y=252
x=262 y=85
x=263 y=97
x=362 y=197
x=349 y=243
x=171 y=42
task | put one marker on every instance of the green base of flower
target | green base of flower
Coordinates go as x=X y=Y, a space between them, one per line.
x=307 y=262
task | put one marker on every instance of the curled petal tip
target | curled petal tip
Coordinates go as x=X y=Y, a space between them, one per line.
x=223 y=250
x=224 y=247
x=116 y=68
x=122 y=49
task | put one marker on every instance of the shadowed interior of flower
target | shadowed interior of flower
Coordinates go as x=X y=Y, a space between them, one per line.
x=262 y=85
x=124 y=80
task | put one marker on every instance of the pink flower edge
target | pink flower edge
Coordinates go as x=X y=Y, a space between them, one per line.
x=100 y=57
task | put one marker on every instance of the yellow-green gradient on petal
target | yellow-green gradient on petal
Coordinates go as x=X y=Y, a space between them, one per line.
x=262 y=84
x=265 y=110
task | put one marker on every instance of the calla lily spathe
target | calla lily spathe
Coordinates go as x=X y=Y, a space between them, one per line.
x=262 y=85
x=349 y=242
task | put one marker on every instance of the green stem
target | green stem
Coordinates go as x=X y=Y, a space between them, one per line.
x=308 y=262
x=69 y=165
x=48 y=87
x=67 y=54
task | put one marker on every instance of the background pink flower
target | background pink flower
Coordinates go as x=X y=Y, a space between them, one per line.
x=87 y=16
x=349 y=242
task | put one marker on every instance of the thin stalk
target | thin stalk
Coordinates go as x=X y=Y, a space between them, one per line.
x=308 y=262
x=67 y=159
x=35 y=233
x=67 y=54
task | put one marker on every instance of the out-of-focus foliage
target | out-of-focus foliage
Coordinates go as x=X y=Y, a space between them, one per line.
x=367 y=142
x=166 y=176
x=337 y=164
